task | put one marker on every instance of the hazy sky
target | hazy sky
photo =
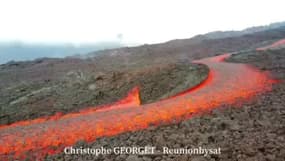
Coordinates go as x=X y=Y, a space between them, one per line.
x=144 y=21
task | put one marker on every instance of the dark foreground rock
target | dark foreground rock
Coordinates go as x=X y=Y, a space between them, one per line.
x=253 y=131
x=35 y=89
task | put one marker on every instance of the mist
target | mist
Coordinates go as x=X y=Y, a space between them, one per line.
x=21 y=51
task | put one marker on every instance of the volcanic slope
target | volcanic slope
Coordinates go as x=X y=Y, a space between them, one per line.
x=225 y=85
x=253 y=130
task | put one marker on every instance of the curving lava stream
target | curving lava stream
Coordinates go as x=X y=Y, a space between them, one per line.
x=227 y=83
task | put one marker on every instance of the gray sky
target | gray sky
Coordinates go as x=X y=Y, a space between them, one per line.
x=132 y=21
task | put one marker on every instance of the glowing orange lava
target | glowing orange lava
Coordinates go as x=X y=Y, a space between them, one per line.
x=226 y=83
x=274 y=45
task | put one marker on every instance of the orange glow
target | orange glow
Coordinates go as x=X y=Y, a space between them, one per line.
x=132 y=100
x=225 y=84
x=274 y=45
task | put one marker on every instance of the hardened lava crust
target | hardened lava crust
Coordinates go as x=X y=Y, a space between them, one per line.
x=238 y=108
x=251 y=131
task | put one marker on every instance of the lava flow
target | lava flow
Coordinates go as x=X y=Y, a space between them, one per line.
x=272 y=46
x=226 y=83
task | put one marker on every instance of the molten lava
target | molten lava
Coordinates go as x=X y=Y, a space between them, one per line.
x=226 y=83
x=274 y=45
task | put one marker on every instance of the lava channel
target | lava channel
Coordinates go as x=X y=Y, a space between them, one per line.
x=226 y=84
x=272 y=46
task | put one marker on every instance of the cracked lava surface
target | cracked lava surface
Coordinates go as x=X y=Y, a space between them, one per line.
x=227 y=83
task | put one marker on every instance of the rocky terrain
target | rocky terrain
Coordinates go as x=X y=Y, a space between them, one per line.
x=188 y=49
x=252 y=131
x=31 y=90
x=42 y=87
